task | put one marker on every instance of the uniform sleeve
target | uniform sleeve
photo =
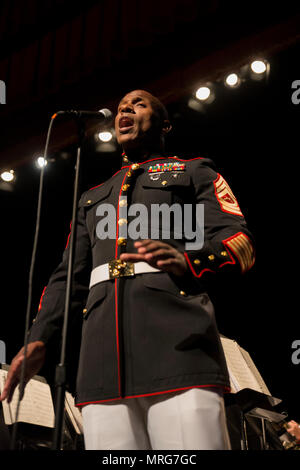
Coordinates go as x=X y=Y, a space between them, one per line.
x=228 y=244
x=49 y=319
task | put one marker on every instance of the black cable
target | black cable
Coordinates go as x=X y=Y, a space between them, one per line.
x=30 y=282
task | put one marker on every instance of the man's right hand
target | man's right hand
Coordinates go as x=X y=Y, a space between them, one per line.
x=36 y=352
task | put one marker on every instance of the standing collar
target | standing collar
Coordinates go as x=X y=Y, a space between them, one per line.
x=155 y=156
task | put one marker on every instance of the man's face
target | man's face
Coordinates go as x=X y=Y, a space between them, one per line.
x=134 y=123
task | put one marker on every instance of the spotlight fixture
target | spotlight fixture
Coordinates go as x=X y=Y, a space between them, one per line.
x=259 y=69
x=205 y=93
x=41 y=162
x=258 y=66
x=232 y=80
x=8 y=176
x=105 y=136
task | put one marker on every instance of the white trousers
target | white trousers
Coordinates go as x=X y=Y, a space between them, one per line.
x=192 y=419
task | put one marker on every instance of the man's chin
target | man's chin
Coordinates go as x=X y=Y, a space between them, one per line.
x=129 y=142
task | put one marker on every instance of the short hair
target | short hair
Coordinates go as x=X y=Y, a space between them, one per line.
x=159 y=109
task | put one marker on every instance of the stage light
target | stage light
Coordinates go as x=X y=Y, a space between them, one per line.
x=258 y=66
x=203 y=93
x=232 y=80
x=8 y=176
x=41 y=162
x=105 y=136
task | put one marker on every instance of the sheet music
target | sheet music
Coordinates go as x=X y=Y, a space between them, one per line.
x=255 y=371
x=74 y=413
x=36 y=406
x=239 y=371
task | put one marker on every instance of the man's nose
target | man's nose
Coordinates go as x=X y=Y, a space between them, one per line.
x=127 y=108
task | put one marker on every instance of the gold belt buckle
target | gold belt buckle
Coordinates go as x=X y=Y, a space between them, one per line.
x=118 y=268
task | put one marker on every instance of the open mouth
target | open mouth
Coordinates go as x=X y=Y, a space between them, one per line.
x=125 y=123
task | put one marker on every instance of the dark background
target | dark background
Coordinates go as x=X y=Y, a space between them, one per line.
x=251 y=133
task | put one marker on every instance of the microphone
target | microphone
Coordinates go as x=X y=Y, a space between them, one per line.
x=101 y=115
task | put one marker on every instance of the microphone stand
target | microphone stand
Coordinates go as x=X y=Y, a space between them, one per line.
x=60 y=374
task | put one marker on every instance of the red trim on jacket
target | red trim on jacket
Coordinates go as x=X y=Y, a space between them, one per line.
x=104 y=182
x=223 y=387
x=189 y=160
x=116 y=290
x=192 y=268
x=164 y=158
x=236 y=210
x=230 y=250
x=68 y=239
x=117 y=334
x=41 y=299
x=231 y=257
x=147 y=161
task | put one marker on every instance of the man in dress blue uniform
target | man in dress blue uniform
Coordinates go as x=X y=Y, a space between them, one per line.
x=151 y=371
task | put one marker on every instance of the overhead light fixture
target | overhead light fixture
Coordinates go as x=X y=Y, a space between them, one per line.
x=8 y=176
x=232 y=80
x=205 y=93
x=259 y=69
x=258 y=66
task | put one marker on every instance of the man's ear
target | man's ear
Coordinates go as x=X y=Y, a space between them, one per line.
x=167 y=127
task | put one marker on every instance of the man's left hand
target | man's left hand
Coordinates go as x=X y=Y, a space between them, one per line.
x=159 y=255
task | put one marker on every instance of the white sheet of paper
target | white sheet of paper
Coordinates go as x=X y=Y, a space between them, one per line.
x=36 y=406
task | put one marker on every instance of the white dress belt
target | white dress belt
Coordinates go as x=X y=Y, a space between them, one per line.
x=102 y=272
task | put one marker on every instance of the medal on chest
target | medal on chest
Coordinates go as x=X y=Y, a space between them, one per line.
x=155 y=171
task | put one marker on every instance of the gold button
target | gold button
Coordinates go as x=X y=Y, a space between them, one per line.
x=84 y=311
x=122 y=241
x=122 y=221
x=164 y=182
x=89 y=201
x=125 y=187
x=197 y=261
x=123 y=203
x=116 y=272
x=135 y=166
x=129 y=173
x=211 y=257
x=182 y=293
x=224 y=253
x=125 y=159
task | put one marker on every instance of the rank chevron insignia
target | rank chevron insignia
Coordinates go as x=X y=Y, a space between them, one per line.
x=226 y=197
x=164 y=167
